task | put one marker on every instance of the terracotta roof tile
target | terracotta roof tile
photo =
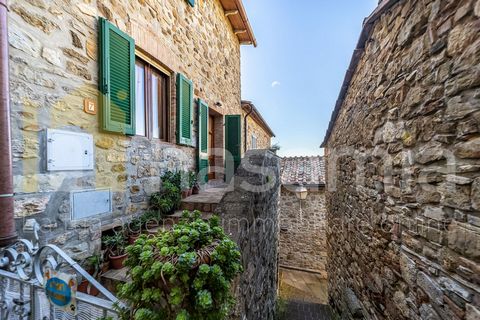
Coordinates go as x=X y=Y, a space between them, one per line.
x=304 y=170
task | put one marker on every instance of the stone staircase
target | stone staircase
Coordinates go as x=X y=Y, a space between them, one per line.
x=206 y=202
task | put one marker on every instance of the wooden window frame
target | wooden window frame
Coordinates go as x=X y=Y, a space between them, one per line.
x=150 y=68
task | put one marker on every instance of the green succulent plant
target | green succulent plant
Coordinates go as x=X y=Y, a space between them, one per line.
x=182 y=273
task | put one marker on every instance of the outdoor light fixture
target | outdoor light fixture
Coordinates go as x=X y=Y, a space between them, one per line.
x=218 y=104
x=301 y=192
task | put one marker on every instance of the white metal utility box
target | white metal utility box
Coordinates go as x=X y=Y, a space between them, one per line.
x=88 y=203
x=68 y=151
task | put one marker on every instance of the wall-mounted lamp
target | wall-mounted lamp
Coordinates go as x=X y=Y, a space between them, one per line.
x=218 y=104
x=301 y=192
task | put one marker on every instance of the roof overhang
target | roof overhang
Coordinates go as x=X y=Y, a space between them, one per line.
x=250 y=108
x=236 y=14
x=367 y=29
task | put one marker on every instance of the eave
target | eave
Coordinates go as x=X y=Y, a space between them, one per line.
x=236 y=14
x=248 y=106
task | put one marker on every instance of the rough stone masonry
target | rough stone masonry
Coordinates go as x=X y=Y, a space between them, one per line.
x=249 y=214
x=54 y=67
x=403 y=162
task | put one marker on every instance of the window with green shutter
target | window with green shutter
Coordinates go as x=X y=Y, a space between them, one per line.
x=117 y=79
x=184 y=110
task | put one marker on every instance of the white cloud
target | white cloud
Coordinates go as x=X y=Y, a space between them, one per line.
x=275 y=84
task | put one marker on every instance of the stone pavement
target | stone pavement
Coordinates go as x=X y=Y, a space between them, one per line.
x=306 y=295
x=300 y=310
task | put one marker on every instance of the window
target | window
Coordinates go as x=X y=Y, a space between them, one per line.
x=151 y=105
x=254 y=142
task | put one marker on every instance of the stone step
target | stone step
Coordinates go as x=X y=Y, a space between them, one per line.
x=206 y=201
x=204 y=207
x=175 y=218
x=112 y=278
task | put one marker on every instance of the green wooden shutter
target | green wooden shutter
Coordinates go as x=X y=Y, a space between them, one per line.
x=117 y=79
x=203 y=141
x=233 y=142
x=184 y=110
x=191 y=3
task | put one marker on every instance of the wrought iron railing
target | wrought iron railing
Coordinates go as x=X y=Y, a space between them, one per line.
x=22 y=285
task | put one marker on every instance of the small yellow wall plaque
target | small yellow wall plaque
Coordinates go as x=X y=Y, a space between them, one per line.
x=90 y=106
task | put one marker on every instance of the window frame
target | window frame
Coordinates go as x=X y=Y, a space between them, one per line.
x=151 y=67
x=254 y=141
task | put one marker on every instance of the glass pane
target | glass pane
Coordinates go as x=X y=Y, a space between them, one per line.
x=155 y=105
x=140 y=99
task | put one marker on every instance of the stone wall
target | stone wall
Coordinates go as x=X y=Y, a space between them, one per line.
x=54 y=67
x=404 y=169
x=264 y=140
x=249 y=213
x=303 y=240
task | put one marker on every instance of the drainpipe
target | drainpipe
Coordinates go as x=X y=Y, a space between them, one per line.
x=245 y=128
x=8 y=233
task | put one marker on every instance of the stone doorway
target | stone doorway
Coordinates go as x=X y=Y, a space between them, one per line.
x=216 y=143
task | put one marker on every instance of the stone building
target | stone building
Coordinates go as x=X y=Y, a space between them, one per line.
x=258 y=134
x=303 y=238
x=108 y=95
x=403 y=166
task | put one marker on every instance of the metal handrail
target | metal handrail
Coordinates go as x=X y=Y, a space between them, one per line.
x=25 y=262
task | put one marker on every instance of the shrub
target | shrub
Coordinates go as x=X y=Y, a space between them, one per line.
x=182 y=273
x=168 y=199
x=115 y=243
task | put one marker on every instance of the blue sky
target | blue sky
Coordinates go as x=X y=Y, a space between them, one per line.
x=295 y=74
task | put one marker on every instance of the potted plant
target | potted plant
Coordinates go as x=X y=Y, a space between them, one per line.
x=151 y=220
x=93 y=266
x=182 y=273
x=116 y=247
x=134 y=229
x=195 y=188
x=167 y=200
x=192 y=181
x=185 y=187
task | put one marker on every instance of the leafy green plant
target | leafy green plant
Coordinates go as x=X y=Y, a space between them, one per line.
x=182 y=273
x=115 y=243
x=168 y=199
x=93 y=264
x=192 y=179
x=173 y=177
x=135 y=225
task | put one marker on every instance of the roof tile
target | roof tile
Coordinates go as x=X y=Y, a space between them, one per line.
x=303 y=170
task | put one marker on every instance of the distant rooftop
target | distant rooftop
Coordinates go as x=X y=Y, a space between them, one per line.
x=309 y=171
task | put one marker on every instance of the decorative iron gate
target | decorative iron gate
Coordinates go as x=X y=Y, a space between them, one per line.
x=22 y=280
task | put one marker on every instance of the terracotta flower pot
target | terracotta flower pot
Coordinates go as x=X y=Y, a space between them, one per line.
x=133 y=237
x=195 y=189
x=152 y=227
x=190 y=191
x=82 y=286
x=86 y=288
x=117 y=261
x=184 y=194
x=105 y=266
